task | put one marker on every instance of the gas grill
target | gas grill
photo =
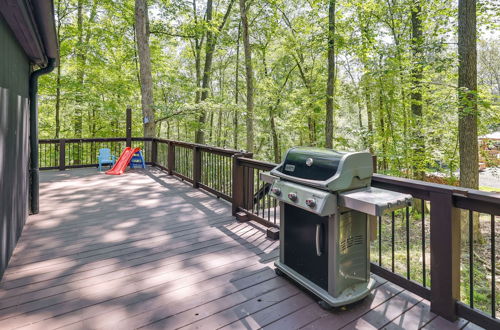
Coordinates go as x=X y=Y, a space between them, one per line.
x=325 y=202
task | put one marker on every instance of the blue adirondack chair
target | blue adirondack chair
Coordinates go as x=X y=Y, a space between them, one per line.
x=105 y=158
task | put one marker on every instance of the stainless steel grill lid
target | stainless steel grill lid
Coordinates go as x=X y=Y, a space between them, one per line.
x=326 y=169
x=311 y=163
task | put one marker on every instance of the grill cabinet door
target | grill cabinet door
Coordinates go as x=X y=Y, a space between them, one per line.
x=300 y=244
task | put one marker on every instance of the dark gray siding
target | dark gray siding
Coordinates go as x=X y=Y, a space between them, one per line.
x=14 y=134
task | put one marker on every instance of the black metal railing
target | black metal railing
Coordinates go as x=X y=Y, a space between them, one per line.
x=76 y=153
x=422 y=248
x=254 y=199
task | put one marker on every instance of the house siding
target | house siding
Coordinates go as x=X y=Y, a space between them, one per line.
x=14 y=142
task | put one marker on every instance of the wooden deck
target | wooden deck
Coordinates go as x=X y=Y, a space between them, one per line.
x=147 y=250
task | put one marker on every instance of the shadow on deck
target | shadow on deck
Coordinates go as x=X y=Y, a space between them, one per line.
x=146 y=250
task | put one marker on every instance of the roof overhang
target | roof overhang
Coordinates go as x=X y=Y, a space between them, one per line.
x=33 y=25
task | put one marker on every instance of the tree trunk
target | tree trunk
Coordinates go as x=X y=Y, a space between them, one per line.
x=197 y=62
x=331 y=76
x=418 y=161
x=58 y=78
x=311 y=122
x=219 y=127
x=236 y=90
x=197 y=57
x=382 y=130
x=369 y=116
x=274 y=135
x=467 y=94
x=467 y=109
x=211 y=130
x=142 y=33
x=249 y=76
x=209 y=54
x=80 y=71
x=207 y=69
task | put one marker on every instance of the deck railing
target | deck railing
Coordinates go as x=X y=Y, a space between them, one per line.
x=428 y=249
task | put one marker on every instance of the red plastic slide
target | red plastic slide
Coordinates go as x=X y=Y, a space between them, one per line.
x=123 y=161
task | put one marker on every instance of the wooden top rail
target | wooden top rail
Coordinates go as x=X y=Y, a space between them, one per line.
x=464 y=198
x=258 y=164
x=92 y=140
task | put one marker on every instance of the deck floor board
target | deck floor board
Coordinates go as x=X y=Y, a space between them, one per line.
x=146 y=250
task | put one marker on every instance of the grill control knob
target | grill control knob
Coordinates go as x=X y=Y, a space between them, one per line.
x=292 y=196
x=311 y=202
x=276 y=191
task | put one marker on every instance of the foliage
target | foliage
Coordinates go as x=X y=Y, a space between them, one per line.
x=373 y=85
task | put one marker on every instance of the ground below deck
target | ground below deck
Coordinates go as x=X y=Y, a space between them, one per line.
x=145 y=249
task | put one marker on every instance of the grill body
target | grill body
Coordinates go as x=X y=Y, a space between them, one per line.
x=324 y=245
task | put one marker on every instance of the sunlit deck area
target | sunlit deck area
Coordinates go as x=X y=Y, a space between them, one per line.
x=145 y=249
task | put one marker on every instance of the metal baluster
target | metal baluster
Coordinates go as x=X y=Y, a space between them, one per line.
x=205 y=170
x=268 y=207
x=263 y=197
x=252 y=192
x=213 y=171
x=493 y=266
x=217 y=159
x=380 y=241
x=256 y=184
x=392 y=240
x=224 y=171
x=423 y=241
x=274 y=206
x=216 y=172
x=228 y=177
x=471 y=259
x=407 y=242
x=245 y=187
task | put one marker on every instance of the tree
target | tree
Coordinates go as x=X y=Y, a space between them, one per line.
x=467 y=94
x=236 y=89
x=207 y=70
x=249 y=75
x=330 y=86
x=394 y=76
x=146 y=78
x=416 y=93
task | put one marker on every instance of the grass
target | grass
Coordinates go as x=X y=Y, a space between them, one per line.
x=489 y=189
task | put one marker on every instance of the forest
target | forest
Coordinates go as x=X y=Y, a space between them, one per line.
x=396 y=77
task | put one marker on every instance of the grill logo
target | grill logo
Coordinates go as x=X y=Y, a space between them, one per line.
x=309 y=161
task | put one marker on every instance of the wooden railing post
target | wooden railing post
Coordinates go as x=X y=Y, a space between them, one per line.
x=171 y=158
x=445 y=254
x=62 y=155
x=196 y=167
x=238 y=184
x=154 y=151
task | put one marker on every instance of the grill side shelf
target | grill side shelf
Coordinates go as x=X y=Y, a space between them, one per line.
x=374 y=201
